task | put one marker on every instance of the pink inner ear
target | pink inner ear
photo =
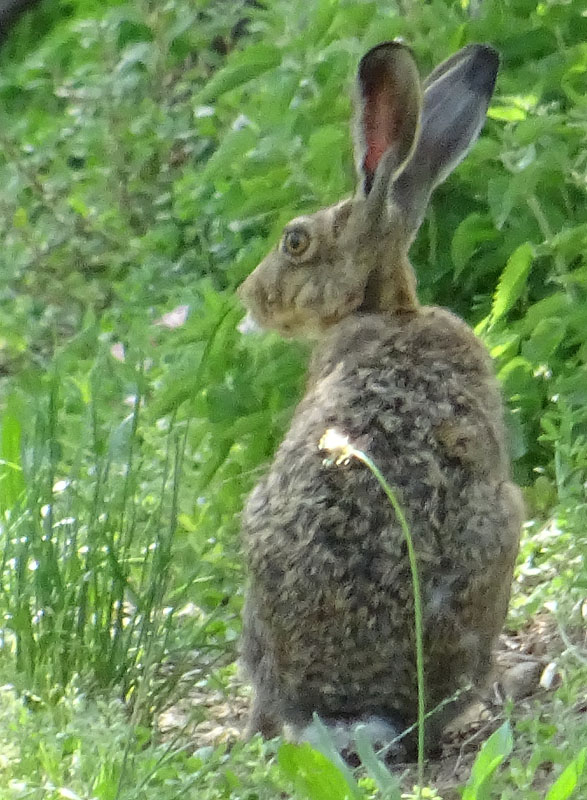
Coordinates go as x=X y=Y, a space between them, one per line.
x=379 y=125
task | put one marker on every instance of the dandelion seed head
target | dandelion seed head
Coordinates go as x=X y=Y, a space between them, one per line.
x=338 y=445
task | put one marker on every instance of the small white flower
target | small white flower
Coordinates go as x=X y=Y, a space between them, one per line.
x=117 y=351
x=173 y=319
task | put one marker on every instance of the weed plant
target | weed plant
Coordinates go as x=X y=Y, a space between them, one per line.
x=150 y=153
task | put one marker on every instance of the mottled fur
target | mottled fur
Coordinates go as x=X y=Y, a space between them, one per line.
x=329 y=618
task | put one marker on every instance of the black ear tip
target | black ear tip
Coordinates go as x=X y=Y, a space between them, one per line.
x=488 y=56
x=483 y=67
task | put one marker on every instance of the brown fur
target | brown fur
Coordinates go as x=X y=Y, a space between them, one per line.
x=329 y=617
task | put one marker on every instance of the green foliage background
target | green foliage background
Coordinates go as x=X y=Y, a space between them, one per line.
x=150 y=153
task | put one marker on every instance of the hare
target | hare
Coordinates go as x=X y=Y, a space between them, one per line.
x=329 y=612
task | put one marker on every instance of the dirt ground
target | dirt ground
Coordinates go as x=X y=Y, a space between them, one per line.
x=526 y=672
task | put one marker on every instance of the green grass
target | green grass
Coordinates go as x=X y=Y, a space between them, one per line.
x=80 y=748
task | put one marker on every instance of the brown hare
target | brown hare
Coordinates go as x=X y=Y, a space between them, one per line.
x=329 y=619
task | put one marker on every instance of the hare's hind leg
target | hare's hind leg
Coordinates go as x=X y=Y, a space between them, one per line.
x=264 y=716
x=493 y=585
x=262 y=719
x=465 y=606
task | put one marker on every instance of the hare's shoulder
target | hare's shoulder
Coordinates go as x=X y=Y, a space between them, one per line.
x=425 y=379
x=424 y=338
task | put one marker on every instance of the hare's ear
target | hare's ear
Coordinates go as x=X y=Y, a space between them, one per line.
x=456 y=98
x=388 y=106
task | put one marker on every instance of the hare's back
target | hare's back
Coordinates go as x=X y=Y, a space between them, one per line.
x=331 y=578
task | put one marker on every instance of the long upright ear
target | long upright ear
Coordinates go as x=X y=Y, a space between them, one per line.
x=389 y=103
x=456 y=98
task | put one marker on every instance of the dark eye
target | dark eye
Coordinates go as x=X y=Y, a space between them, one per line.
x=296 y=242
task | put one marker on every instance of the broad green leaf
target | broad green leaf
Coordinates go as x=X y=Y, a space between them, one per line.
x=555 y=305
x=262 y=196
x=472 y=231
x=230 y=153
x=545 y=339
x=352 y=20
x=512 y=280
x=242 y=68
x=515 y=375
x=502 y=342
x=566 y=783
x=516 y=435
x=223 y=403
x=327 y=746
x=577 y=277
x=325 y=11
x=79 y=206
x=570 y=241
x=312 y=774
x=526 y=45
x=324 y=149
x=140 y=53
x=501 y=198
x=20 y=218
x=506 y=113
x=574 y=387
x=494 y=751
x=528 y=131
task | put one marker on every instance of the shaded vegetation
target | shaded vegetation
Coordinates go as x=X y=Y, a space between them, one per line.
x=149 y=154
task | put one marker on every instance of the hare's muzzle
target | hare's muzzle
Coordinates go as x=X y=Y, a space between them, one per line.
x=254 y=297
x=264 y=308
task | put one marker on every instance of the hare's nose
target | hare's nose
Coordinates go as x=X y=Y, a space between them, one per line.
x=254 y=295
x=246 y=291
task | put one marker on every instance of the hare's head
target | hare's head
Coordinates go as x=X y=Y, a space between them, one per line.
x=353 y=256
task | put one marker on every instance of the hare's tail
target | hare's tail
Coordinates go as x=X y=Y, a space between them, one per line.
x=381 y=733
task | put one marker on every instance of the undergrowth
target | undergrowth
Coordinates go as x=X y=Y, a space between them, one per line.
x=150 y=154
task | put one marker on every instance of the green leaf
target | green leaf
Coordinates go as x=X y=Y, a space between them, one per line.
x=545 y=339
x=386 y=781
x=12 y=484
x=567 y=781
x=472 y=231
x=515 y=375
x=312 y=774
x=516 y=435
x=140 y=53
x=224 y=404
x=231 y=153
x=555 y=305
x=324 y=148
x=328 y=748
x=570 y=242
x=494 y=751
x=512 y=280
x=506 y=113
x=501 y=198
x=20 y=218
x=243 y=67
x=324 y=14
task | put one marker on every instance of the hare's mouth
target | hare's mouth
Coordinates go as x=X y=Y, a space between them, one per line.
x=303 y=316
x=308 y=324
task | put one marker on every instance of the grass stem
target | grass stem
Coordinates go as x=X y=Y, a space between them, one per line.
x=344 y=451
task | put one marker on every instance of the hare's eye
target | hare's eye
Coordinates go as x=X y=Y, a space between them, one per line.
x=296 y=242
